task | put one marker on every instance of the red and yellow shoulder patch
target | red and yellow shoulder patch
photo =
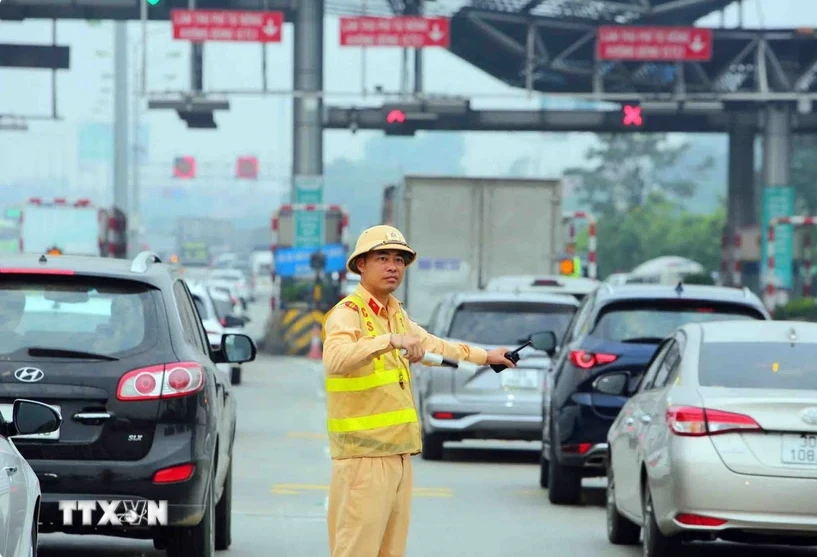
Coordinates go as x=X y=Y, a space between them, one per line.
x=350 y=305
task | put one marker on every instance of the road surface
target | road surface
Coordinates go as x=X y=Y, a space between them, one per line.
x=481 y=501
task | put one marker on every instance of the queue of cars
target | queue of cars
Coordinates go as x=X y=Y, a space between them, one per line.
x=698 y=408
x=112 y=394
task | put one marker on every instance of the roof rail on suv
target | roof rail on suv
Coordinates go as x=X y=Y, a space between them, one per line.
x=143 y=260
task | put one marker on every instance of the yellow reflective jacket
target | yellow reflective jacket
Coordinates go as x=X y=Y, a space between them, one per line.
x=370 y=409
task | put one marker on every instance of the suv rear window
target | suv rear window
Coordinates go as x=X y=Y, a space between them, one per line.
x=71 y=313
x=654 y=319
x=507 y=323
x=758 y=365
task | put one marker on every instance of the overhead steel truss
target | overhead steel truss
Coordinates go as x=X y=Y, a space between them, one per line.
x=554 y=56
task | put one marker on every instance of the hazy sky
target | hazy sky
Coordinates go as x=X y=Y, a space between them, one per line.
x=262 y=126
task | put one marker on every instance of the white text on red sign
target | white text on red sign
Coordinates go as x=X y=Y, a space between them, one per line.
x=405 y=32
x=233 y=26
x=654 y=43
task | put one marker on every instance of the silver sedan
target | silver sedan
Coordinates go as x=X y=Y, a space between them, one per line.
x=719 y=440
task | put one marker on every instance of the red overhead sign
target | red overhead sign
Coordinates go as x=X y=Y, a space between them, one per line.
x=654 y=44
x=200 y=26
x=401 y=31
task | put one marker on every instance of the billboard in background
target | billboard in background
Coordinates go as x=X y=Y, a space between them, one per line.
x=95 y=142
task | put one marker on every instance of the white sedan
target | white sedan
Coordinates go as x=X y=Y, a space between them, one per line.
x=217 y=321
x=20 y=493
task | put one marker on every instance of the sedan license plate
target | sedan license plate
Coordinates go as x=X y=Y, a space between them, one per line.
x=800 y=449
x=6 y=412
x=520 y=379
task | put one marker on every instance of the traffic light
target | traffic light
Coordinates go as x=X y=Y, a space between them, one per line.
x=247 y=168
x=184 y=167
x=631 y=116
x=54 y=251
x=153 y=2
x=396 y=122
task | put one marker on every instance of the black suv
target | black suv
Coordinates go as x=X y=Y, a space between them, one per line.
x=118 y=348
x=615 y=329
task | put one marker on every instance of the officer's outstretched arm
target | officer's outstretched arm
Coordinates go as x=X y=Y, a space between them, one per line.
x=449 y=350
x=346 y=347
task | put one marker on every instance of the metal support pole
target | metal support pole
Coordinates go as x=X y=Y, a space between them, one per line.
x=120 y=125
x=778 y=196
x=404 y=76
x=135 y=213
x=54 y=111
x=530 y=55
x=143 y=17
x=364 y=80
x=418 y=57
x=196 y=61
x=307 y=141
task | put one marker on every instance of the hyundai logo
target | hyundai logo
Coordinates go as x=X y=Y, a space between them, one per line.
x=809 y=415
x=29 y=374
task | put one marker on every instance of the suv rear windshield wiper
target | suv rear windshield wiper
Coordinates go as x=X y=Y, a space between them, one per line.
x=65 y=353
x=644 y=340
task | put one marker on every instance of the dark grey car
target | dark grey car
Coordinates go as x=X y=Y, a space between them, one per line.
x=456 y=404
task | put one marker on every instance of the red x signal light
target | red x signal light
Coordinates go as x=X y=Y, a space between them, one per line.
x=184 y=167
x=396 y=117
x=632 y=116
x=247 y=168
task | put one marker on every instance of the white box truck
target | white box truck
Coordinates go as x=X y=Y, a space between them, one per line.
x=469 y=230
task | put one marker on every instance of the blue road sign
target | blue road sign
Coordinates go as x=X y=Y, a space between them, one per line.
x=294 y=262
x=307 y=189
x=778 y=201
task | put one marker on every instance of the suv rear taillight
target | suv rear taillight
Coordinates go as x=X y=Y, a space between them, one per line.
x=587 y=360
x=161 y=381
x=690 y=421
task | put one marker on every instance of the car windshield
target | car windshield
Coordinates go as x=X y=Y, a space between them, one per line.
x=67 y=313
x=628 y=321
x=507 y=323
x=758 y=365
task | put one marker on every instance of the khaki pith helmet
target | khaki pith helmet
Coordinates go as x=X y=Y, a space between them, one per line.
x=376 y=238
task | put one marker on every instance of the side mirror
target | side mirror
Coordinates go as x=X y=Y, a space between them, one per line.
x=544 y=341
x=616 y=383
x=237 y=349
x=233 y=321
x=30 y=417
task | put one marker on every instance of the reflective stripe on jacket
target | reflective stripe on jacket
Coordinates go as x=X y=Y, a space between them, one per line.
x=370 y=410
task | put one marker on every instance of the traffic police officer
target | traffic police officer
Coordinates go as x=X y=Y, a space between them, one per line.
x=372 y=421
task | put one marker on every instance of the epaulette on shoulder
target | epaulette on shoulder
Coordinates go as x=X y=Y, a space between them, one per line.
x=350 y=305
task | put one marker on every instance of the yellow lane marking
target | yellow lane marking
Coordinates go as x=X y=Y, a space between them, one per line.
x=307 y=435
x=530 y=492
x=296 y=489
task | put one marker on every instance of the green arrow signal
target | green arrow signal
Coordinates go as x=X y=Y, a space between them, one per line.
x=153 y=2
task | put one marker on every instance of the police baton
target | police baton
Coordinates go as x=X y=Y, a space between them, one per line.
x=431 y=359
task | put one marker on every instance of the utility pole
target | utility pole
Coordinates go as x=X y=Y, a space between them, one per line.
x=134 y=224
x=120 y=124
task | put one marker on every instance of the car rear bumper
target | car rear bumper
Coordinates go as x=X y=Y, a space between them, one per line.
x=752 y=505
x=64 y=480
x=490 y=420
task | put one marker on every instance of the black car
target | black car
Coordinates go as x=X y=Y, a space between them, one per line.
x=118 y=348
x=617 y=328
